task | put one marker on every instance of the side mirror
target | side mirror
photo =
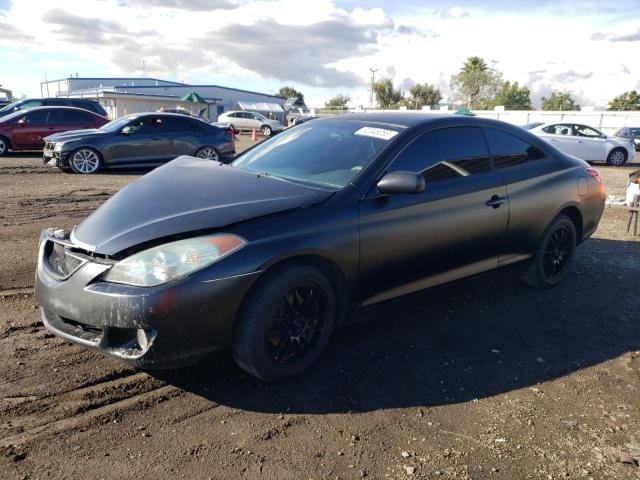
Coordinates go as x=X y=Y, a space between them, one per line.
x=402 y=182
x=127 y=130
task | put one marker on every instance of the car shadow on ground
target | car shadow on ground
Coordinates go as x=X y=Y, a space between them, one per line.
x=476 y=339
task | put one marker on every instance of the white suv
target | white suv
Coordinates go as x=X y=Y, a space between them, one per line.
x=240 y=120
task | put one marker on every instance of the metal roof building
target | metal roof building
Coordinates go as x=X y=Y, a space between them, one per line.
x=124 y=95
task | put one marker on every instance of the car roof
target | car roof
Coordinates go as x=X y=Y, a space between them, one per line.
x=415 y=119
x=161 y=114
x=55 y=107
x=57 y=98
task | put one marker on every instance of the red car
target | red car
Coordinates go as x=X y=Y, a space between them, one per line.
x=25 y=130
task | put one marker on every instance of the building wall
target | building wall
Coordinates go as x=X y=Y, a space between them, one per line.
x=119 y=106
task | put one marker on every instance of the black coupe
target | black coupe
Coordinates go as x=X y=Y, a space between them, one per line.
x=267 y=255
x=140 y=140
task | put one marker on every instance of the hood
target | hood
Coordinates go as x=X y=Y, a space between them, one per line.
x=624 y=140
x=73 y=135
x=185 y=195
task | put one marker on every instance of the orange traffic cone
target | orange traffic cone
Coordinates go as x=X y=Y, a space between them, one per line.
x=253 y=135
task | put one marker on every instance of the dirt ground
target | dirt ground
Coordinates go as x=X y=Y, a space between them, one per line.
x=487 y=379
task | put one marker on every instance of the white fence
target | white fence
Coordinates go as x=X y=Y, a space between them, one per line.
x=608 y=122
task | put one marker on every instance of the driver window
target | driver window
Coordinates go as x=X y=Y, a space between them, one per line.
x=38 y=117
x=444 y=154
x=584 y=131
x=147 y=125
x=562 y=129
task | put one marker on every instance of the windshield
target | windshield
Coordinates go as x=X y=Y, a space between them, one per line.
x=327 y=153
x=118 y=124
x=8 y=108
x=530 y=126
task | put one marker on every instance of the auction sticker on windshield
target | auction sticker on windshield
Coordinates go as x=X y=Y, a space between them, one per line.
x=381 y=133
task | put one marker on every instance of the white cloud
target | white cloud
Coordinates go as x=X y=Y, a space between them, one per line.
x=455 y=11
x=319 y=47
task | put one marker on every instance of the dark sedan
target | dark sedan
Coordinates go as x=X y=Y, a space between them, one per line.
x=83 y=103
x=26 y=130
x=141 y=140
x=267 y=255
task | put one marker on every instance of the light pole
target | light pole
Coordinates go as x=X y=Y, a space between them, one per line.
x=373 y=76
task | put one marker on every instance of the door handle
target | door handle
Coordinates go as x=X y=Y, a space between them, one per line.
x=156 y=138
x=496 y=201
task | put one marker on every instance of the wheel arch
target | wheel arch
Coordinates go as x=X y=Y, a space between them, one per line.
x=620 y=148
x=574 y=213
x=328 y=267
x=8 y=140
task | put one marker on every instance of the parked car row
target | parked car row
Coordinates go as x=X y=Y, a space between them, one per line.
x=585 y=142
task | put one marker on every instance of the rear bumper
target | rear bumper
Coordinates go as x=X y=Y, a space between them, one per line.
x=159 y=327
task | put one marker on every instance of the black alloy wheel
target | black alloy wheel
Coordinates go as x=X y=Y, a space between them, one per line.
x=285 y=322
x=296 y=324
x=550 y=263
x=557 y=252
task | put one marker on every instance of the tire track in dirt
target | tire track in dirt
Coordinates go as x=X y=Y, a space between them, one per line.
x=31 y=417
x=85 y=418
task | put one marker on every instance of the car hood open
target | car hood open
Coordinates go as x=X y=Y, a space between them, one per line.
x=185 y=195
x=73 y=135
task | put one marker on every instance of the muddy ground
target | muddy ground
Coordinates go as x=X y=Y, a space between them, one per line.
x=488 y=379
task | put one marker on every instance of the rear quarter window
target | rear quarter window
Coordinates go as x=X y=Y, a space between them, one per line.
x=509 y=151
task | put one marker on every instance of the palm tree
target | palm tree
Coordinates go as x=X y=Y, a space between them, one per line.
x=474 y=64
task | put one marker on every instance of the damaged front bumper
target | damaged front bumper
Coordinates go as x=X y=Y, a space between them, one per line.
x=59 y=158
x=155 y=327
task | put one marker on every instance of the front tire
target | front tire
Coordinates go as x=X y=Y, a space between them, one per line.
x=266 y=130
x=550 y=264
x=617 y=157
x=4 y=146
x=285 y=323
x=84 y=160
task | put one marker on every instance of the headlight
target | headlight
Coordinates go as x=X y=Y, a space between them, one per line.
x=170 y=261
x=57 y=147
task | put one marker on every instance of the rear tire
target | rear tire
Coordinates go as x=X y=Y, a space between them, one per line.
x=617 y=157
x=285 y=323
x=209 y=153
x=4 y=146
x=550 y=264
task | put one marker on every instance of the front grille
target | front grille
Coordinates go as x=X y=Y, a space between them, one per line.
x=61 y=262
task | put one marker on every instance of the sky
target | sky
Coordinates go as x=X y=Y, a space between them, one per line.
x=325 y=47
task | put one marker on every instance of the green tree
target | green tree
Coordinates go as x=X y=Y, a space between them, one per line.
x=289 y=92
x=338 y=101
x=386 y=95
x=626 y=101
x=559 y=101
x=475 y=84
x=512 y=97
x=422 y=94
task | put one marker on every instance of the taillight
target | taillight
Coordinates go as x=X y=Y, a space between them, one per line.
x=232 y=134
x=595 y=174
